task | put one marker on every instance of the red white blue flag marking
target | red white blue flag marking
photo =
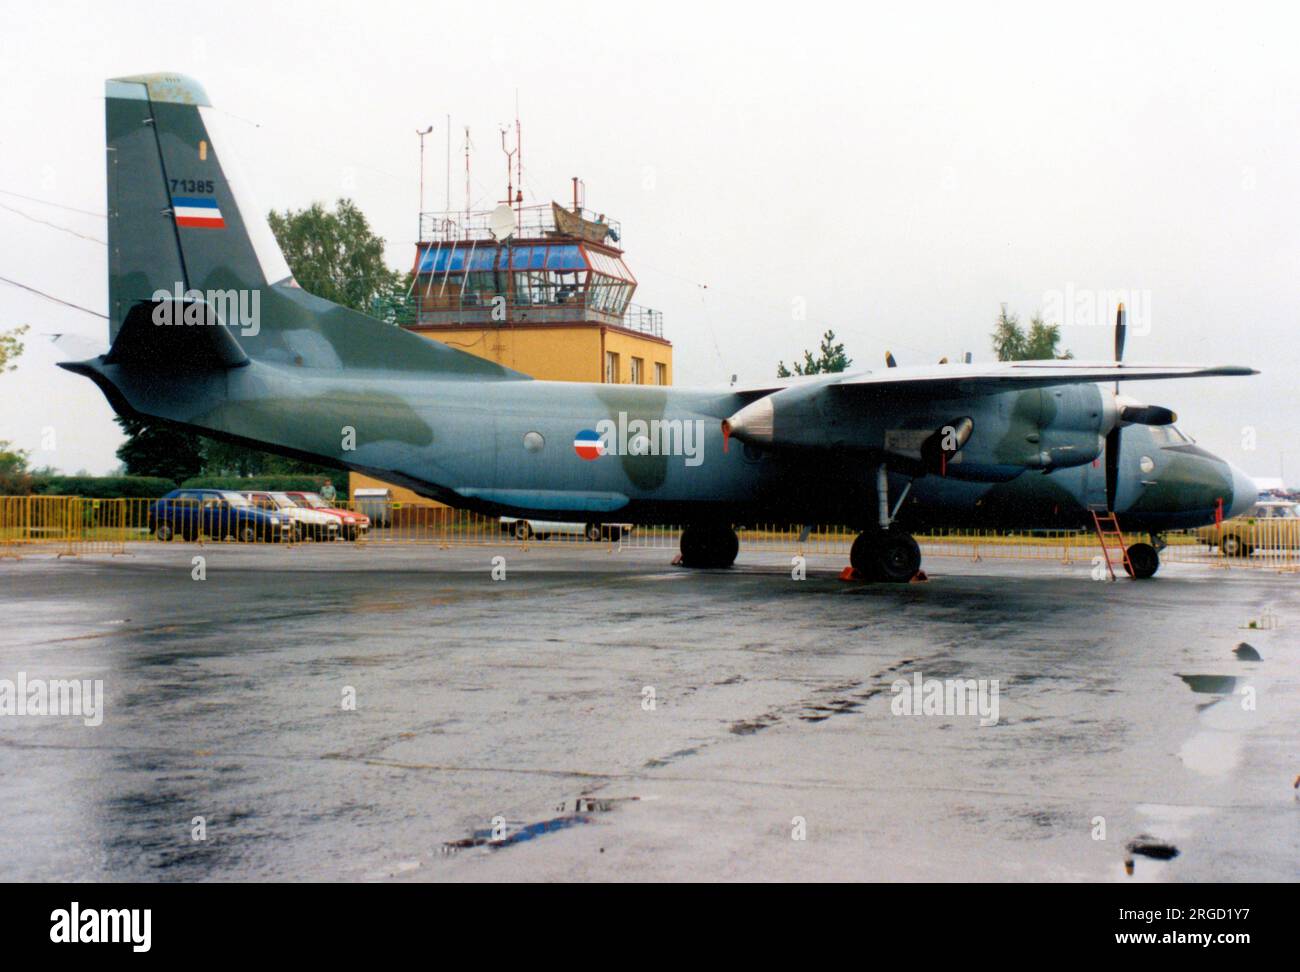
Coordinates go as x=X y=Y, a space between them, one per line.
x=197 y=211
x=587 y=445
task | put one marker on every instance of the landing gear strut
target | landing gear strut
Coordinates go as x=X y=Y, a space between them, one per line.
x=709 y=545
x=886 y=554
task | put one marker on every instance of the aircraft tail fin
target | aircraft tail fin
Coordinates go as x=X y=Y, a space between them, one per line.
x=175 y=219
x=185 y=237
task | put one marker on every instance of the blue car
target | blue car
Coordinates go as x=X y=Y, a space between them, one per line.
x=215 y=513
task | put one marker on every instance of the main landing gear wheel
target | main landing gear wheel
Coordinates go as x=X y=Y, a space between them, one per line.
x=1143 y=561
x=892 y=557
x=709 y=546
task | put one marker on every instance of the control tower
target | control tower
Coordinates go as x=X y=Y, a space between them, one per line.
x=545 y=290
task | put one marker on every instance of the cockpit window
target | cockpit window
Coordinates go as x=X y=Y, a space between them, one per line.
x=1169 y=435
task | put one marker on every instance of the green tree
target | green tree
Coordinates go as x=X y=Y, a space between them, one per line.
x=15 y=480
x=334 y=254
x=830 y=358
x=159 y=449
x=1040 y=342
x=11 y=347
x=1008 y=337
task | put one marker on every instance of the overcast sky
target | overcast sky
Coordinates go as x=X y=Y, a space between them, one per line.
x=899 y=173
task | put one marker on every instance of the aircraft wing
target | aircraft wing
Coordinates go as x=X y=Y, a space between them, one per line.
x=806 y=406
x=988 y=379
x=752 y=389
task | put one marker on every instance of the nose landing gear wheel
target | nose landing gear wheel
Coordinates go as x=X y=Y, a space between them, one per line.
x=892 y=557
x=1143 y=561
x=709 y=546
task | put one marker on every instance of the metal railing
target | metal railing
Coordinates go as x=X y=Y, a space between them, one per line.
x=643 y=320
x=479 y=310
x=68 y=525
x=73 y=525
x=531 y=222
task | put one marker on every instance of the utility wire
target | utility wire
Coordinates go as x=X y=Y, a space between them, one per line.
x=46 y=222
x=46 y=202
x=57 y=300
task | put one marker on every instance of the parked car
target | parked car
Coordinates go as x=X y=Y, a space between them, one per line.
x=523 y=529
x=215 y=513
x=1270 y=525
x=353 y=525
x=309 y=524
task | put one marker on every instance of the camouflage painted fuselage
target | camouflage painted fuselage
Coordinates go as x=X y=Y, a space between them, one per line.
x=311 y=379
x=461 y=435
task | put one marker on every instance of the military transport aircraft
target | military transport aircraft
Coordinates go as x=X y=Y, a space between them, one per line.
x=209 y=331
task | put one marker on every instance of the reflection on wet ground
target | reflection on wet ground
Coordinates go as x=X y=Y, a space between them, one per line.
x=399 y=715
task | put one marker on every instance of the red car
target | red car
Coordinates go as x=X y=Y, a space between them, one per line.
x=354 y=525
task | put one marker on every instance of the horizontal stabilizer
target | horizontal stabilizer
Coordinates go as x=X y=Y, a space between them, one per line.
x=143 y=342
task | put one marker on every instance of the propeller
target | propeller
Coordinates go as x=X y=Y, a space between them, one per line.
x=1127 y=412
x=1121 y=333
x=1146 y=415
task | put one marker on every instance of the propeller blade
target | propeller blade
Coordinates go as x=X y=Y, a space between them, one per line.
x=889 y=360
x=1121 y=332
x=1147 y=415
x=1112 y=466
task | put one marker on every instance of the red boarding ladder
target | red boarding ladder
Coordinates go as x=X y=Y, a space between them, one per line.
x=1112 y=540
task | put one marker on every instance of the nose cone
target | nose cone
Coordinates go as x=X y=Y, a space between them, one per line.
x=1245 y=493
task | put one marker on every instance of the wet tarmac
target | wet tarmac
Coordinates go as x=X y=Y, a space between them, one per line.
x=605 y=716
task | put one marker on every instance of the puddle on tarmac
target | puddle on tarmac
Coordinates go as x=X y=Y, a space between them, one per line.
x=1211 y=684
x=1153 y=847
x=514 y=832
x=662 y=761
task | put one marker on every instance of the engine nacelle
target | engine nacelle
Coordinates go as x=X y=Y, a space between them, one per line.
x=1001 y=435
x=1067 y=427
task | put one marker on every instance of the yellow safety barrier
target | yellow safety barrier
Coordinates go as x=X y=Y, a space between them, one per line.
x=73 y=525
x=69 y=525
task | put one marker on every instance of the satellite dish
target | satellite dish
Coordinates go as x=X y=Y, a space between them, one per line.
x=501 y=224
